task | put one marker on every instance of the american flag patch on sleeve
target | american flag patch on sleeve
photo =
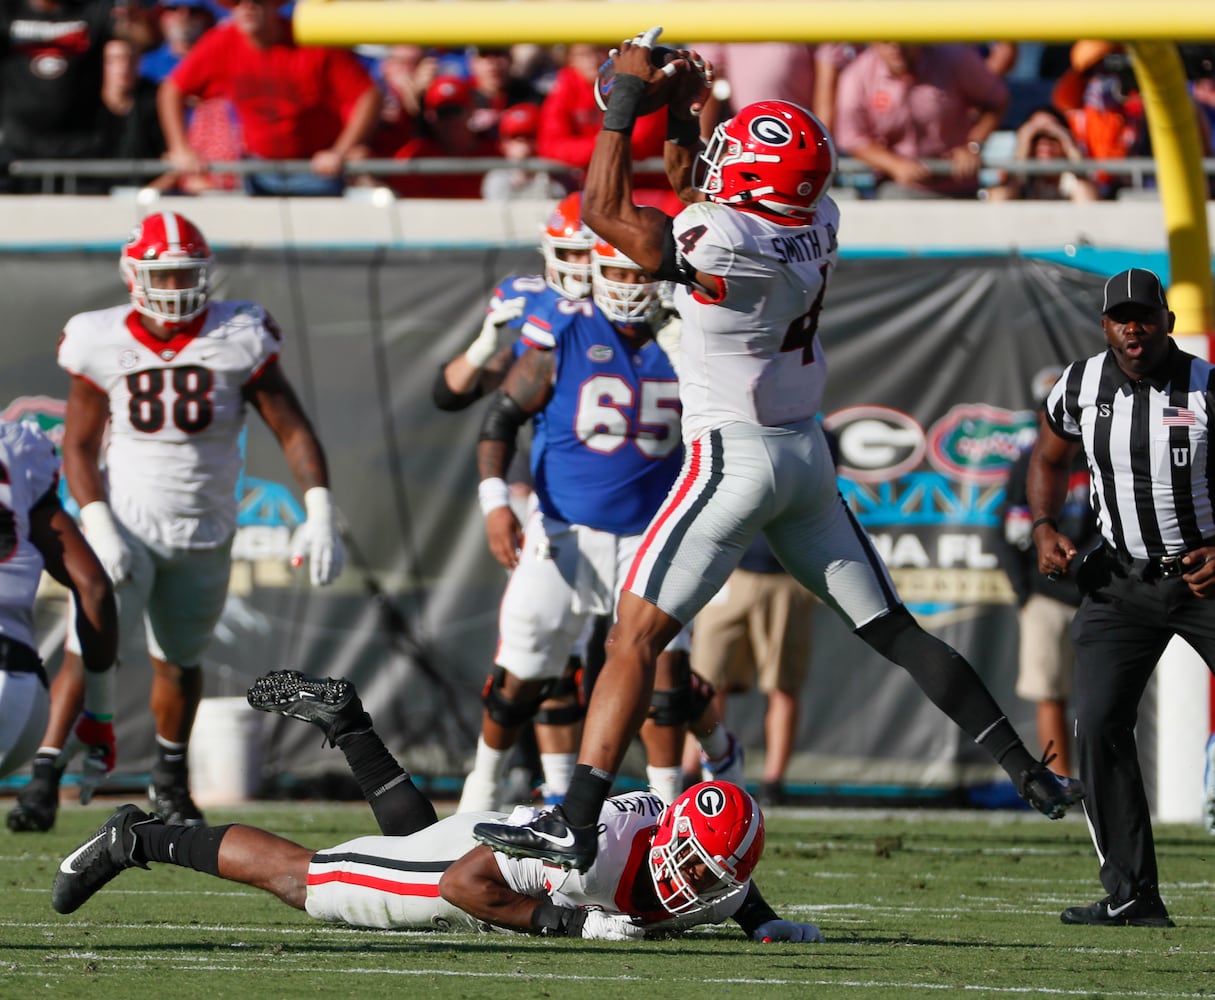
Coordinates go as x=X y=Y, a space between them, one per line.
x=1176 y=416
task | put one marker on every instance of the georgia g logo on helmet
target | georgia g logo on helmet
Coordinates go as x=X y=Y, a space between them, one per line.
x=771 y=131
x=710 y=800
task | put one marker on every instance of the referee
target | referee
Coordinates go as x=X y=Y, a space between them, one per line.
x=1140 y=410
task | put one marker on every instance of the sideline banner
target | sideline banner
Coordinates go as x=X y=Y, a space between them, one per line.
x=931 y=363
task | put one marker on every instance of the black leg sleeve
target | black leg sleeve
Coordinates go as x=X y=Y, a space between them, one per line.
x=950 y=683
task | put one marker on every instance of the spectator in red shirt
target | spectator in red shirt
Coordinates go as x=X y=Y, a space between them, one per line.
x=570 y=119
x=447 y=108
x=293 y=102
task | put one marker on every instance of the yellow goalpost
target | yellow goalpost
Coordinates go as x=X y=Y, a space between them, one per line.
x=1149 y=29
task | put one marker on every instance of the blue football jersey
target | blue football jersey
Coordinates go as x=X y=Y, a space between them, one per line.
x=607 y=445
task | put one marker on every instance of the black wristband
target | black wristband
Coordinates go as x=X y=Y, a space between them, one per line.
x=551 y=920
x=1044 y=520
x=754 y=911
x=623 y=103
x=683 y=131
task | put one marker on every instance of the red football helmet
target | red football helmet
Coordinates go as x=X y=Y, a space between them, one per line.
x=622 y=301
x=562 y=235
x=166 y=264
x=706 y=846
x=773 y=158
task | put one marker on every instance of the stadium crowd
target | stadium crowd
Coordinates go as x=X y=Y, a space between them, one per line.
x=197 y=82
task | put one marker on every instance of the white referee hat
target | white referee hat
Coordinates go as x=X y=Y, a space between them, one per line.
x=1137 y=286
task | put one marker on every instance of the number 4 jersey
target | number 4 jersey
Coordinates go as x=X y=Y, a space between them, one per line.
x=750 y=353
x=177 y=409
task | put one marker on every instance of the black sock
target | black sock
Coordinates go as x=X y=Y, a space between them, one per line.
x=46 y=768
x=951 y=683
x=399 y=807
x=1000 y=740
x=589 y=788
x=171 y=768
x=194 y=847
x=354 y=726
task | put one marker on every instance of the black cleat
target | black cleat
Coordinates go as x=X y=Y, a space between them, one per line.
x=549 y=837
x=169 y=794
x=1142 y=911
x=330 y=704
x=99 y=859
x=1051 y=794
x=37 y=804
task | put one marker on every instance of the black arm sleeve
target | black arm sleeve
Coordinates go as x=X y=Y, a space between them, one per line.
x=503 y=420
x=673 y=267
x=754 y=912
x=450 y=401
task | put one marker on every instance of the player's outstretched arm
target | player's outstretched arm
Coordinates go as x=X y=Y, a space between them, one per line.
x=690 y=92
x=607 y=197
x=477 y=886
x=480 y=368
x=760 y=922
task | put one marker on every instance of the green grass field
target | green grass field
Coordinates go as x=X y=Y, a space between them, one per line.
x=912 y=904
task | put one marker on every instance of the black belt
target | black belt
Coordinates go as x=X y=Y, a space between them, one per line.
x=1160 y=568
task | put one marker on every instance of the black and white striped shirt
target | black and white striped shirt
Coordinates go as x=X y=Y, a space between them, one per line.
x=1147 y=447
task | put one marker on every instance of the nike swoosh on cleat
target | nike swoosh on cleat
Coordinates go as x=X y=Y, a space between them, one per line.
x=1115 y=911
x=65 y=865
x=566 y=841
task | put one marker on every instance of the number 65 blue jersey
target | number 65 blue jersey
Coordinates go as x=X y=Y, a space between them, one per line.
x=607 y=445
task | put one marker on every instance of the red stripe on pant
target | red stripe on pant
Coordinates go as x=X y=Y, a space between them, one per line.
x=657 y=524
x=427 y=890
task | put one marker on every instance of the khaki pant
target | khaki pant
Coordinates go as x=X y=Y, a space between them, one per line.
x=759 y=625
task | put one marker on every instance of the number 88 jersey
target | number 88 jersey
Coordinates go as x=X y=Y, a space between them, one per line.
x=177 y=409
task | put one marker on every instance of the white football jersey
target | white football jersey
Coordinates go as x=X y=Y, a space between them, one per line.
x=752 y=356
x=29 y=469
x=176 y=414
x=626 y=823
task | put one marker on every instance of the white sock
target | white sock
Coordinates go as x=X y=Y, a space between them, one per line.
x=716 y=744
x=665 y=782
x=558 y=769
x=99 y=694
x=483 y=781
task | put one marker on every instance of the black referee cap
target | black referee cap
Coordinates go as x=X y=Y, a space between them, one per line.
x=1137 y=286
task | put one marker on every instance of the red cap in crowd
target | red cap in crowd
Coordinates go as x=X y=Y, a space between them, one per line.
x=519 y=120
x=448 y=92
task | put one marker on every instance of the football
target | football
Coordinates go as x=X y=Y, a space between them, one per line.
x=656 y=96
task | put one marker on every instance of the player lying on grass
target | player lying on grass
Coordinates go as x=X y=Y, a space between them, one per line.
x=658 y=868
